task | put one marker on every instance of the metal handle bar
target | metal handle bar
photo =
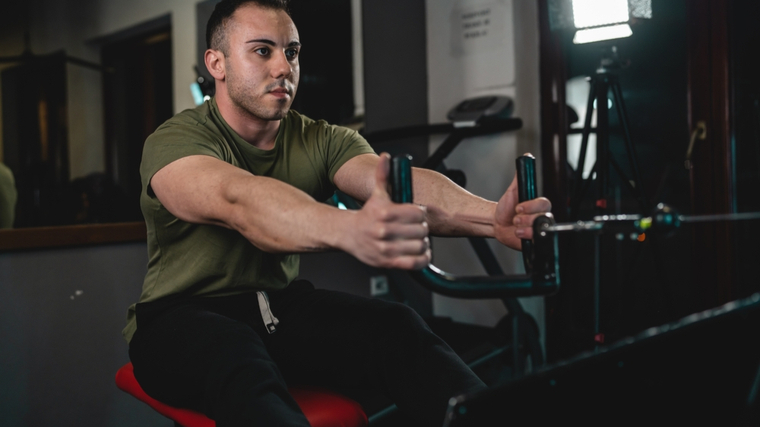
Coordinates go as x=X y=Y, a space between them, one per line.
x=542 y=279
x=665 y=220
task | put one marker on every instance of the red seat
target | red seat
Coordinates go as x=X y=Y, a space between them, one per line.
x=322 y=408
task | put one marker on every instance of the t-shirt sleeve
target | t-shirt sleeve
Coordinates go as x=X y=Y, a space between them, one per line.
x=173 y=141
x=344 y=144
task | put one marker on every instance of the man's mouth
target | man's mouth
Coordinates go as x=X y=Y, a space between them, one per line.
x=280 y=91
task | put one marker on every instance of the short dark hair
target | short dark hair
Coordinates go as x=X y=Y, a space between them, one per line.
x=216 y=37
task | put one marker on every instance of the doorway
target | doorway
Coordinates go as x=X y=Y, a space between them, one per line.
x=138 y=97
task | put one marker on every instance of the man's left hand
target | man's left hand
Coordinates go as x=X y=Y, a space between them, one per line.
x=514 y=220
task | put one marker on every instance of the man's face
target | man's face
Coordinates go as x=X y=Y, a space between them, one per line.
x=261 y=63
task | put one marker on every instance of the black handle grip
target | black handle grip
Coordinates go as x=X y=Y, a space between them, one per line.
x=526 y=190
x=401 y=179
x=526 y=177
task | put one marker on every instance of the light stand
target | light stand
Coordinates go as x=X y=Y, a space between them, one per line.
x=602 y=82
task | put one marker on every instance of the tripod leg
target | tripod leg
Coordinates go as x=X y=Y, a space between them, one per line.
x=582 y=192
x=617 y=95
x=626 y=181
x=579 y=182
x=602 y=142
x=584 y=139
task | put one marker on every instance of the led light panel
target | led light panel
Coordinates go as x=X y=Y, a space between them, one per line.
x=594 y=13
x=602 y=33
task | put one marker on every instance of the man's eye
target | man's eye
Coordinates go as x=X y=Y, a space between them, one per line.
x=292 y=53
x=262 y=51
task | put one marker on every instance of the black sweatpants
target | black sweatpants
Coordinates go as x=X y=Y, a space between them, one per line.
x=215 y=355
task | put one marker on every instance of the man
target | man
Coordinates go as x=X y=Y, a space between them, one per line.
x=230 y=194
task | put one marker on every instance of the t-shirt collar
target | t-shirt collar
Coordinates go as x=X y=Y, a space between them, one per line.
x=239 y=141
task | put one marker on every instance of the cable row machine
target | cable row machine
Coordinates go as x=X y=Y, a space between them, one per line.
x=472 y=118
x=701 y=370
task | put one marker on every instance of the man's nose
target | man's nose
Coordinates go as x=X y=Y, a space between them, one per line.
x=281 y=67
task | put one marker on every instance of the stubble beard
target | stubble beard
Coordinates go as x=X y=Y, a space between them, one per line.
x=240 y=93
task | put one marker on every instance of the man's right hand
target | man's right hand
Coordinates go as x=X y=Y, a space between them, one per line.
x=386 y=234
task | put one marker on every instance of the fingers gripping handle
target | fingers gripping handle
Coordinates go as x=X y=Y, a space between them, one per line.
x=526 y=190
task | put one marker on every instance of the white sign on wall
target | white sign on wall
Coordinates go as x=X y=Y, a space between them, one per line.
x=478 y=28
x=471 y=51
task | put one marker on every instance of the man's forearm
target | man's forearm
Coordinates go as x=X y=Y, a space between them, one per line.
x=277 y=217
x=272 y=215
x=452 y=210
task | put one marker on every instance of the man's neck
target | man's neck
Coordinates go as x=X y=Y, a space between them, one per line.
x=257 y=132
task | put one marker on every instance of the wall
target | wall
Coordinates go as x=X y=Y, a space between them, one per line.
x=503 y=62
x=61 y=315
x=395 y=77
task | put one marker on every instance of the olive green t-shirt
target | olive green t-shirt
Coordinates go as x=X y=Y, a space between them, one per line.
x=193 y=259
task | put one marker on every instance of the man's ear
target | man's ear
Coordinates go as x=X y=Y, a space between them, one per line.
x=215 y=63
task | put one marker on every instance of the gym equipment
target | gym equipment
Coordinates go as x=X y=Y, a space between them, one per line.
x=202 y=88
x=542 y=268
x=701 y=370
x=472 y=118
x=664 y=219
x=542 y=280
x=704 y=369
x=542 y=275
x=472 y=111
x=322 y=408
x=457 y=132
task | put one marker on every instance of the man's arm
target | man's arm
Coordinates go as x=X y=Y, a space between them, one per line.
x=452 y=210
x=277 y=217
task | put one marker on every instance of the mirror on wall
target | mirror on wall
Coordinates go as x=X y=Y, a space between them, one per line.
x=35 y=139
x=72 y=130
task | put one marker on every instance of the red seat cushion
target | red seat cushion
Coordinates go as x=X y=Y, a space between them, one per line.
x=322 y=408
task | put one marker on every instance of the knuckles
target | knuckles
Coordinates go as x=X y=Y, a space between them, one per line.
x=381 y=231
x=384 y=248
x=383 y=214
x=538 y=205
